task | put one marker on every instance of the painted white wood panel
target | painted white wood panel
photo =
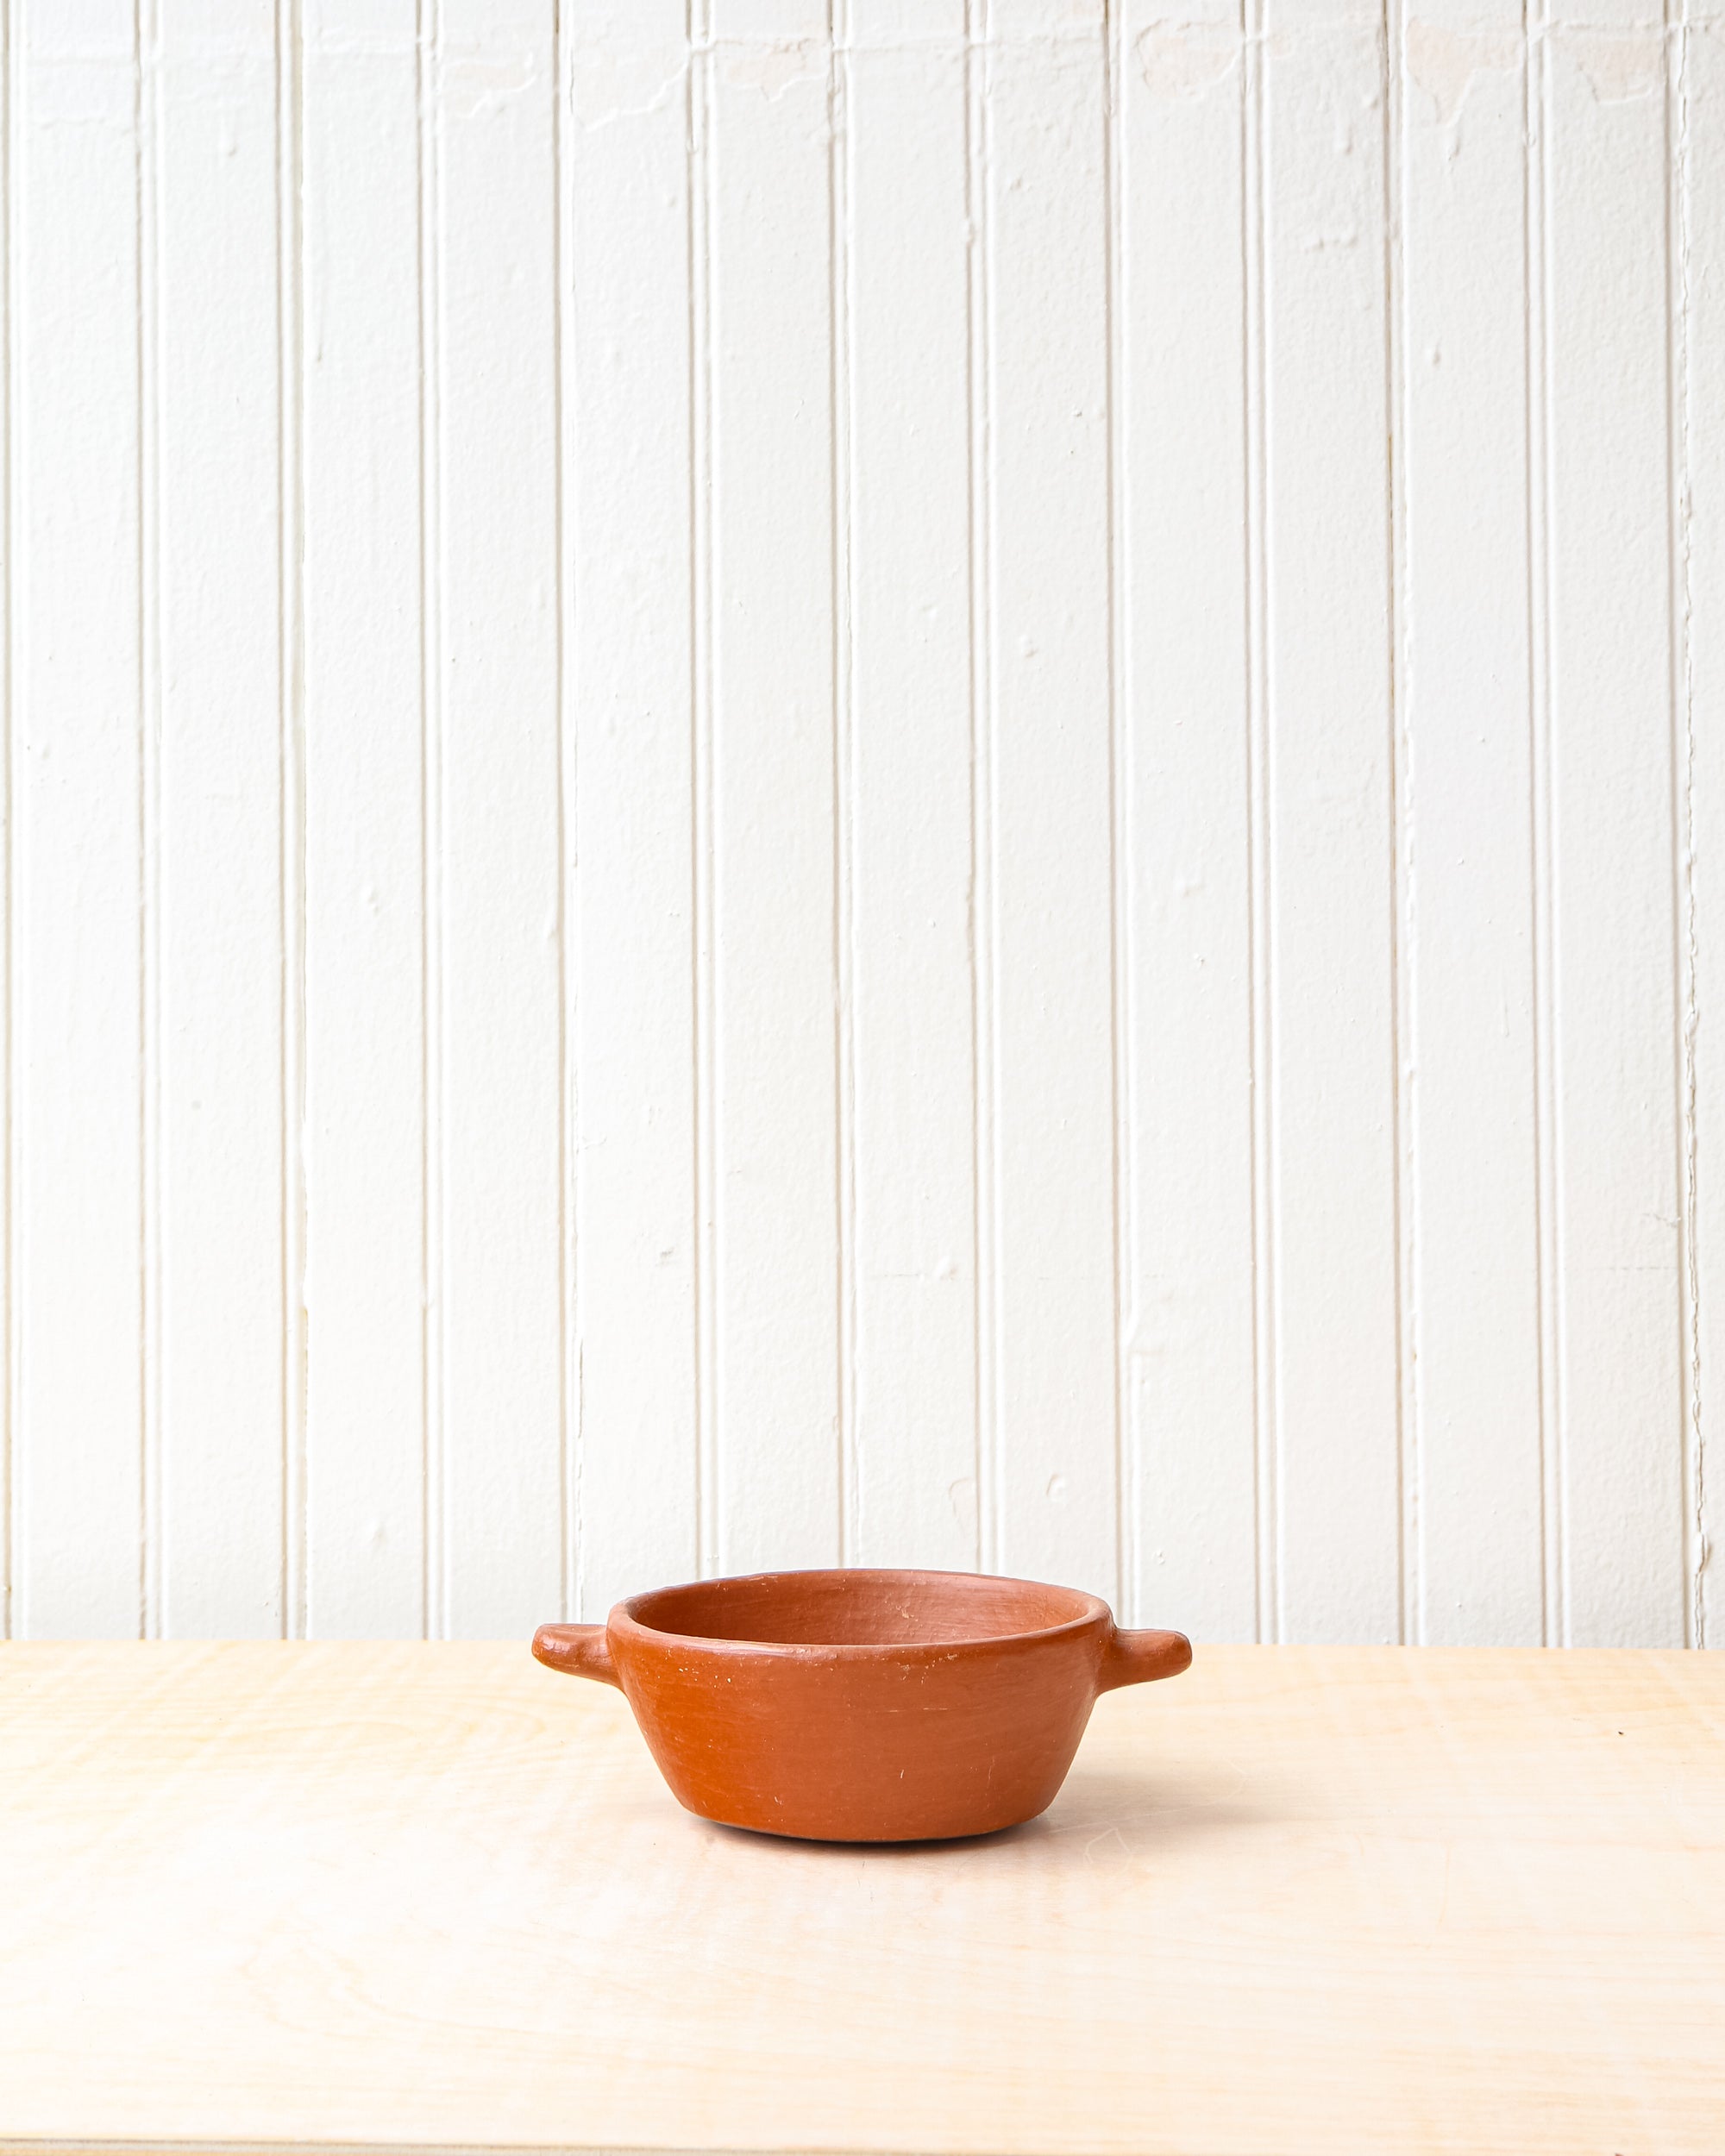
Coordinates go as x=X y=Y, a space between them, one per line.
x=9 y=314
x=365 y=1046
x=1697 y=306
x=630 y=861
x=921 y=782
x=498 y=1500
x=1330 y=866
x=1471 y=1141
x=83 y=575
x=224 y=638
x=1051 y=1450
x=1186 y=923
x=1614 y=947
x=905 y=697
x=775 y=1288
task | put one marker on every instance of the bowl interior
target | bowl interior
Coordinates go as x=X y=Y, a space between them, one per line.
x=860 y=1608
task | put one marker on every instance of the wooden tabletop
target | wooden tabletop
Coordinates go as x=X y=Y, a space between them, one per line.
x=340 y=1896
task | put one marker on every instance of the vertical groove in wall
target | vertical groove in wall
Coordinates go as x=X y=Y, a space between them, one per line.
x=984 y=939
x=701 y=724
x=841 y=253
x=1679 y=302
x=9 y=882
x=1403 y=946
x=573 y=1552
x=289 y=241
x=1537 y=255
x=146 y=55
x=1128 y=1474
x=434 y=1599
x=1258 y=779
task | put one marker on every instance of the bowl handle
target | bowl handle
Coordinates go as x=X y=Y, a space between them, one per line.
x=1137 y=1657
x=576 y=1650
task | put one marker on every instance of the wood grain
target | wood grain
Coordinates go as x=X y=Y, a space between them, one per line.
x=1371 y=1901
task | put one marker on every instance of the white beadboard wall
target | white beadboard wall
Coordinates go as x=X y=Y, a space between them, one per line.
x=922 y=781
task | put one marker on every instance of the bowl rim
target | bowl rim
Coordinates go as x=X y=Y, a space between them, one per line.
x=1095 y=1613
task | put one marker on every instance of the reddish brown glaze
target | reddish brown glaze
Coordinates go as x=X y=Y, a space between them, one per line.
x=864 y=1706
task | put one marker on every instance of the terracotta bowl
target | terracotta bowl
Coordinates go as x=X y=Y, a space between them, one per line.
x=862 y=1705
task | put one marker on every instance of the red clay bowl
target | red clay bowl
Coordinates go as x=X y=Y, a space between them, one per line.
x=862 y=1706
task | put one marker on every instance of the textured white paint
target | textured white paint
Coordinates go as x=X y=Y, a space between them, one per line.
x=1617 y=1290
x=1471 y=1141
x=912 y=1423
x=1185 y=919
x=1333 y=1337
x=83 y=719
x=487 y=101
x=774 y=1282
x=629 y=841
x=931 y=783
x=1052 y=1450
x=219 y=948
x=1698 y=231
x=365 y=1131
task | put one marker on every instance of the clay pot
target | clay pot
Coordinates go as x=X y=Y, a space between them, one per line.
x=864 y=1706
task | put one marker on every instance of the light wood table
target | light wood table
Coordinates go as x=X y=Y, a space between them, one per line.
x=434 y=1896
